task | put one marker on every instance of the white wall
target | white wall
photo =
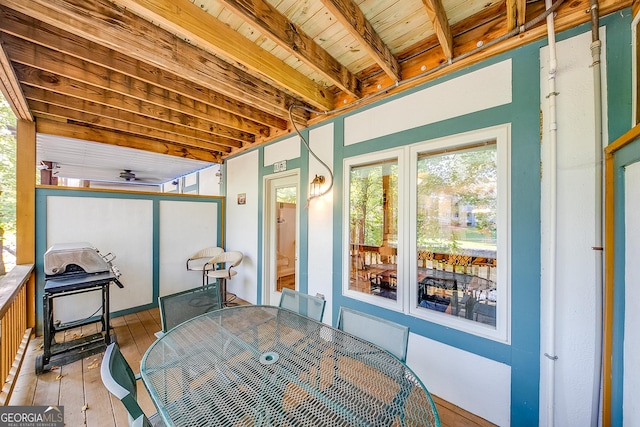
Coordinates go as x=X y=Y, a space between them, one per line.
x=209 y=181
x=124 y=227
x=120 y=226
x=185 y=228
x=575 y=288
x=631 y=407
x=483 y=385
x=476 y=91
x=286 y=149
x=242 y=223
x=320 y=244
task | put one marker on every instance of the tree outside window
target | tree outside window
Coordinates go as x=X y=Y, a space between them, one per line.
x=7 y=186
x=373 y=228
x=456 y=232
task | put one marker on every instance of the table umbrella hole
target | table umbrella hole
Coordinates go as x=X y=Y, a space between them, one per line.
x=269 y=358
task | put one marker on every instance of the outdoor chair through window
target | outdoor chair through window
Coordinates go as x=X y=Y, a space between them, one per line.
x=391 y=336
x=120 y=380
x=306 y=305
x=182 y=306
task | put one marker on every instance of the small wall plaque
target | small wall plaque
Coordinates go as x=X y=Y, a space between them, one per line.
x=280 y=166
x=242 y=198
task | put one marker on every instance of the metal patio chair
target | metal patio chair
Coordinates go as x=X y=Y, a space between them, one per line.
x=304 y=304
x=120 y=380
x=391 y=336
x=182 y=306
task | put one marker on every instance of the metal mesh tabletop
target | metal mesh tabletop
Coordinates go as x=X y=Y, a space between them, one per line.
x=264 y=366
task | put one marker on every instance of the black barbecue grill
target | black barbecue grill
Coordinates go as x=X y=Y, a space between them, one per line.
x=71 y=269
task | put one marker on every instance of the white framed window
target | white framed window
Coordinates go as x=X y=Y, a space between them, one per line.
x=427 y=230
x=459 y=232
x=373 y=206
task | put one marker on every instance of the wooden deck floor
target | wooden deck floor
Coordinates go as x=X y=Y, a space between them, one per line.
x=77 y=386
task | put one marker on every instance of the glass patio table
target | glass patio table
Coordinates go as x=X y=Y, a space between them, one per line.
x=265 y=366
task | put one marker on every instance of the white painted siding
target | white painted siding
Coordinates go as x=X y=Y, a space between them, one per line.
x=575 y=324
x=476 y=91
x=631 y=407
x=185 y=228
x=480 y=385
x=242 y=223
x=284 y=150
x=320 y=266
x=104 y=223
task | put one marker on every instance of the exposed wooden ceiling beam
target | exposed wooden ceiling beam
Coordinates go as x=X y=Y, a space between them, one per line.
x=11 y=88
x=516 y=13
x=41 y=109
x=157 y=51
x=41 y=67
x=186 y=19
x=69 y=89
x=350 y=15
x=286 y=34
x=36 y=94
x=438 y=17
x=114 y=70
x=480 y=27
x=67 y=130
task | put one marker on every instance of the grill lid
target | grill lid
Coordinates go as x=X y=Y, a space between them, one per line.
x=60 y=258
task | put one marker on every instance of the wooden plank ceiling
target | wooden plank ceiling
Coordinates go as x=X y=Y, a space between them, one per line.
x=207 y=79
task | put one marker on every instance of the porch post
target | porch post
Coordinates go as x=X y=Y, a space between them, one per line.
x=25 y=206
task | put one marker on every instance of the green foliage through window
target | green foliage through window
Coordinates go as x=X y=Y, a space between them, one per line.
x=7 y=183
x=374 y=189
x=457 y=200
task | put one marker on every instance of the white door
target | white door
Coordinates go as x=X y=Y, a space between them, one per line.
x=280 y=245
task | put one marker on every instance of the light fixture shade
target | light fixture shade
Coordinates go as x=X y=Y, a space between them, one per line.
x=316 y=185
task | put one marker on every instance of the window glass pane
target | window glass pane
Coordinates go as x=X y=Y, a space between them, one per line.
x=456 y=233
x=373 y=228
x=7 y=187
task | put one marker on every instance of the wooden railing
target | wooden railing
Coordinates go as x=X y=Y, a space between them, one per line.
x=14 y=331
x=479 y=265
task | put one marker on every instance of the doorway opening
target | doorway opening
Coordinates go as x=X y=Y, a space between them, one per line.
x=281 y=235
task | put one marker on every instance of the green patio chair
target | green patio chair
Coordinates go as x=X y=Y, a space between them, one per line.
x=306 y=305
x=120 y=380
x=182 y=306
x=391 y=336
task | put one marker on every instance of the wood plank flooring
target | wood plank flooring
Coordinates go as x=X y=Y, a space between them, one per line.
x=78 y=387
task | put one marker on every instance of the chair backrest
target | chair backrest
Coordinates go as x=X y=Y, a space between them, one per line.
x=391 y=336
x=229 y=259
x=120 y=380
x=181 y=306
x=203 y=255
x=306 y=305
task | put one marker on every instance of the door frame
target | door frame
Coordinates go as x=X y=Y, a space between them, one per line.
x=269 y=256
